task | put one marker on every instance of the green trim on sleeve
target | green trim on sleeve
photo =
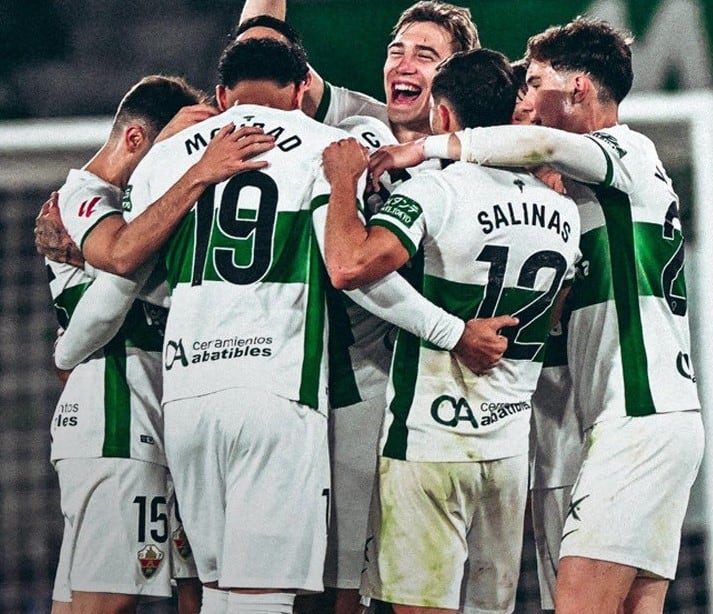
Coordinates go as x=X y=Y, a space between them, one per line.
x=324 y=103
x=610 y=165
x=400 y=235
x=319 y=201
x=93 y=226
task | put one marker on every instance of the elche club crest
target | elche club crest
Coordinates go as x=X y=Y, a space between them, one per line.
x=150 y=558
x=180 y=541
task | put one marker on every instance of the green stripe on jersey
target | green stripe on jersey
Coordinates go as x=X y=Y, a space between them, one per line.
x=404 y=372
x=618 y=216
x=463 y=301
x=653 y=253
x=593 y=282
x=343 y=389
x=117 y=401
x=291 y=242
x=66 y=303
x=314 y=327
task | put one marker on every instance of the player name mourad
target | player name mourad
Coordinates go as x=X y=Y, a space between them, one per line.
x=283 y=140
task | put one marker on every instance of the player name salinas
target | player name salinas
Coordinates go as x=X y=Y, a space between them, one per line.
x=514 y=214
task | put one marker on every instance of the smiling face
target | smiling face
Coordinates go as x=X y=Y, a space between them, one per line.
x=411 y=62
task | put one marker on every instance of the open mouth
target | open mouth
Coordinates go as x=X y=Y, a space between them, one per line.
x=404 y=93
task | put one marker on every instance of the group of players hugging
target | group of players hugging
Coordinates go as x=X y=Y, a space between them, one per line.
x=349 y=337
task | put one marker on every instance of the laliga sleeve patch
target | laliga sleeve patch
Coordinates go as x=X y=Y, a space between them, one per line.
x=403 y=209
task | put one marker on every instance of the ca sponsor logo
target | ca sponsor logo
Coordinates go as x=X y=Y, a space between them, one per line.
x=449 y=411
x=174 y=352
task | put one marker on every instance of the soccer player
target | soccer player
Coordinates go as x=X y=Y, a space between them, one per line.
x=106 y=443
x=629 y=342
x=452 y=477
x=426 y=33
x=119 y=429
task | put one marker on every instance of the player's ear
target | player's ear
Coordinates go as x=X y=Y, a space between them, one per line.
x=300 y=91
x=582 y=86
x=445 y=117
x=221 y=97
x=134 y=137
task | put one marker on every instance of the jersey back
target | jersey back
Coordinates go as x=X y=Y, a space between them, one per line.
x=490 y=242
x=245 y=272
x=629 y=344
x=111 y=403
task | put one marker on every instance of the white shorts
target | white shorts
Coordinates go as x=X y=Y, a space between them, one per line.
x=115 y=528
x=549 y=507
x=251 y=471
x=631 y=495
x=447 y=535
x=183 y=565
x=353 y=440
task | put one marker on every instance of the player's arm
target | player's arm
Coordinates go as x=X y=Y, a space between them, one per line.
x=278 y=10
x=478 y=342
x=355 y=255
x=120 y=248
x=577 y=156
x=98 y=316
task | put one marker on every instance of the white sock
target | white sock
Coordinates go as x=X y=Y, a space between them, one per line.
x=214 y=601
x=260 y=603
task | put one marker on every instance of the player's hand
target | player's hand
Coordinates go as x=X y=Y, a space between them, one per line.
x=481 y=345
x=231 y=151
x=389 y=157
x=345 y=161
x=51 y=238
x=550 y=177
x=186 y=116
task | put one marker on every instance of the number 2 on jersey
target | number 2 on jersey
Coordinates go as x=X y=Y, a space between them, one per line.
x=497 y=256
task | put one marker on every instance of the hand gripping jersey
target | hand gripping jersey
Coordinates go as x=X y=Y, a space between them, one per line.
x=629 y=345
x=491 y=242
x=246 y=276
x=110 y=406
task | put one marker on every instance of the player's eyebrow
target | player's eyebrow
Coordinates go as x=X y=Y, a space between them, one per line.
x=531 y=79
x=419 y=48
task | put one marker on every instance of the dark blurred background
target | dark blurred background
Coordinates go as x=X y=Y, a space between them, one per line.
x=70 y=57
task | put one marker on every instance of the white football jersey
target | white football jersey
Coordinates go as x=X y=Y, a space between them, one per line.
x=110 y=406
x=629 y=343
x=490 y=242
x=338 y=103
x=246 y=276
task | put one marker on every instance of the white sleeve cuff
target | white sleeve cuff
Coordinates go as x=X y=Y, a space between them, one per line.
x=436 y=146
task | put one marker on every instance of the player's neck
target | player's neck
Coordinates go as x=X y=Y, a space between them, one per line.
x=405 y=134
x=111 y=166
